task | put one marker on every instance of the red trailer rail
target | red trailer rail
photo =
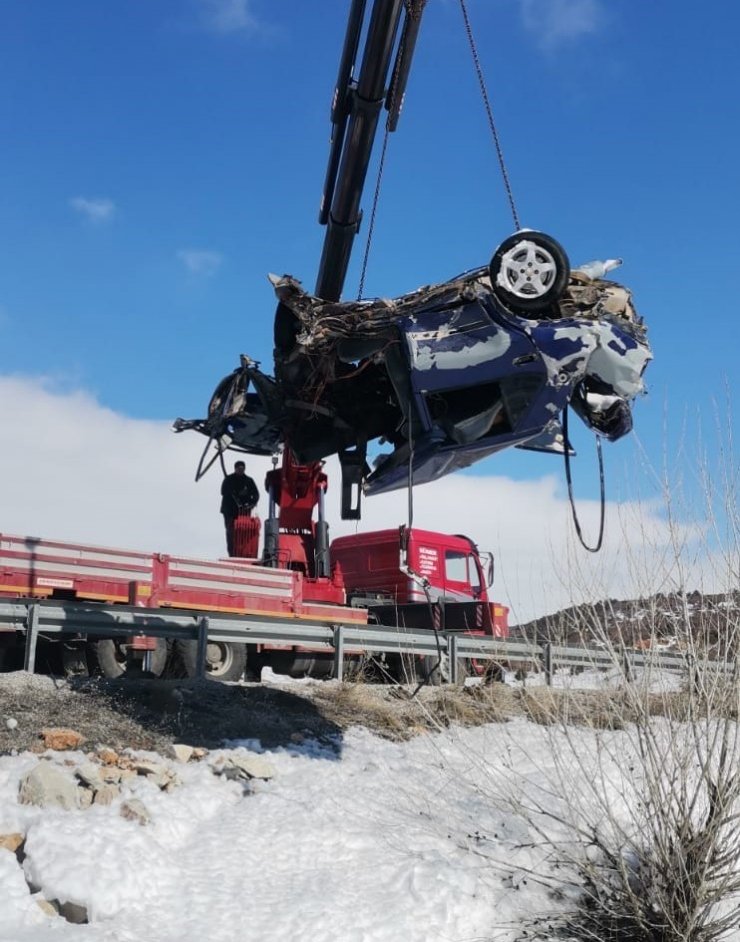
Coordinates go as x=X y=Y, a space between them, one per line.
x=36 y=568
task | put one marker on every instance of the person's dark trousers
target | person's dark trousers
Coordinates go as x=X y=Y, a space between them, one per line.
x=229 y=524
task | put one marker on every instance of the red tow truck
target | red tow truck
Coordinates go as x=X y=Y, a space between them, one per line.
x=404 y=578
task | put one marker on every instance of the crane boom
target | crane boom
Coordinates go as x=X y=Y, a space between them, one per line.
x=356 y=107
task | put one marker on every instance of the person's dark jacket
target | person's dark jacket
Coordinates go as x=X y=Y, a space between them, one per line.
x=238 y=493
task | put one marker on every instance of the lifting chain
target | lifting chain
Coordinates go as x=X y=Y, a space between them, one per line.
x=489 y=112
x=414 y=9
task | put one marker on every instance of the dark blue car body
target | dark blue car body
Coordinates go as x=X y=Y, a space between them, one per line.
x=441 y=377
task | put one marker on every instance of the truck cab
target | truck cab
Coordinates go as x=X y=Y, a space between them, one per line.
x=400 y=573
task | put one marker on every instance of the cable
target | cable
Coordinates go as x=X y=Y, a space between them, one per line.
x=371 y=227
x=489 y=112
x=568 y=478
x=434 y=621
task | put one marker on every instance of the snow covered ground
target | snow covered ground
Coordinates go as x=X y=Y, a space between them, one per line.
x=378 y=841
x=391 y=841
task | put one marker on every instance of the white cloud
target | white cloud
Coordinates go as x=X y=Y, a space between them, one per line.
x=96 y=211
x=80 y=472
x=554 y=22
x=200 y=262
x=227 y=16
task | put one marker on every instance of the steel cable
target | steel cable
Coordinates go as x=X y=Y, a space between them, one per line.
x=489 y=112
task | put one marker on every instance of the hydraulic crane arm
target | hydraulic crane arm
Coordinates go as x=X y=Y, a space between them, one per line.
x=355 y=111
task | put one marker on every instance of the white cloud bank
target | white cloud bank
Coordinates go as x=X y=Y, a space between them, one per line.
x=200 y=262
x=96 y=211
x=74 y=470
x=555 y=22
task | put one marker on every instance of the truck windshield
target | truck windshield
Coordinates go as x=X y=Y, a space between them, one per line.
x=461 y=568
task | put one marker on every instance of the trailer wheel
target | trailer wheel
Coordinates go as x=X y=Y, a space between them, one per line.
x=225 y=660
x=113 y=661
x=431 y=670
x=74 y=659
x=415 y=669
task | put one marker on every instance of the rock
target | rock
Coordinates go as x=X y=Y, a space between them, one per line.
x=12 y=841
x=147 y=767
x=89 y=774
x=106 y=794
x=46 y=784
x=47 y=906
x=180 y=752
x=107 y=756
x=159 y=774
x=60 y=738
x=251 y=766
x=11 y=723
x=134 y=810
x=113 y=774
x=199 y=752
x=73 y=912
x=85 y=797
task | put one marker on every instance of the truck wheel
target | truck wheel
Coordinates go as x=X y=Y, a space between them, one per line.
x=113 y=660
x=415 y=669
x=225 y=660
x=431 y=670
x=74 y=659
x=363 y=669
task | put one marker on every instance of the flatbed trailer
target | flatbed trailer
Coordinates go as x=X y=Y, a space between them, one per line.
x=115 y=608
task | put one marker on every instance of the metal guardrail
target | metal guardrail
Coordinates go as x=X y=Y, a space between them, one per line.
x=35 y=618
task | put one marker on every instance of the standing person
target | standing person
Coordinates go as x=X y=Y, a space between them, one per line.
x=239 y=495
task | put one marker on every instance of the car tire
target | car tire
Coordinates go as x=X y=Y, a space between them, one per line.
x=529 y=273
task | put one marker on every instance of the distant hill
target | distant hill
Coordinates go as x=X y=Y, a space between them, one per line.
x=667 y=618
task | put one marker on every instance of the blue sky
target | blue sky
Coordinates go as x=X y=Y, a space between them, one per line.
x=160 y=157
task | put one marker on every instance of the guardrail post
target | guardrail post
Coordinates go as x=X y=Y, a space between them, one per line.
x=547 y=662
x=452 y=641
x=339 y=652
x=200 y=655
x=32 y=627
x=627 y=666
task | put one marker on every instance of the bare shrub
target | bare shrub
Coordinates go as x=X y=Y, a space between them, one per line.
x=642 y=814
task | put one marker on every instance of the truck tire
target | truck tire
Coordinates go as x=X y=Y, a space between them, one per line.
x=112 y=660
x=416 y=669
x=74 y=659
x=225 y=660
x=430 y=670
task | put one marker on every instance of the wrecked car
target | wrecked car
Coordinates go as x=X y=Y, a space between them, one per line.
x=444 y=376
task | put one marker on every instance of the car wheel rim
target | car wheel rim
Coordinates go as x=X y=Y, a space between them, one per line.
x=527 y=270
